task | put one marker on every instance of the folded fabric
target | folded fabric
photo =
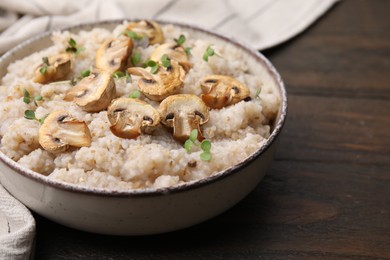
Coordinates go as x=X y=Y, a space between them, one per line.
x=259 y=23
x=17 y=228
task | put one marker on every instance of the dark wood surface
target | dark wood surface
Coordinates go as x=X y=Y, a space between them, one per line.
x=327 y=195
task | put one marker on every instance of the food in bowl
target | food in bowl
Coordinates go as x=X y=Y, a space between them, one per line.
x=144 y=105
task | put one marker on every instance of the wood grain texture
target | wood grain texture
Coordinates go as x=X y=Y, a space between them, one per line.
x=327 y=195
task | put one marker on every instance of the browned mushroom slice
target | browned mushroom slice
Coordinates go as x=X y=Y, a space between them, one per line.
x=221 y=91
x=184 y=112
x=174 y=52
x=60 y=130
x=150 y=29
x=167 y=81
x=113 y=54
x=53 y=68
x=130 y=117
x=93 y=93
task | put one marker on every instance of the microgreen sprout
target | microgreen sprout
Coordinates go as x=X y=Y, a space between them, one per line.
x=188 y=50
x=27 y=97
x=190 y=142
x=128 y=77
x=181 y=40
x=136 y=58
x=118 y=74
x=85 y=73
x=153 y=66
x=37 y=98
x=205 y=145
x=135 y=94
x=45 y=64
x=73 y=47
x=30 y=114
x=208 y=53
x=166 y=62
x=133 y=35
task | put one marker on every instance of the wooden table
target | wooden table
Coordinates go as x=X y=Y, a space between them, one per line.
x=327 y=195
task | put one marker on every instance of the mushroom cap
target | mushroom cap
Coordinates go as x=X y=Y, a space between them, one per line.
x=174 y=52
x=60 y=130
x=166 y=82
x=221 y=91
x=129 y=117
x=93 y=93
x=112 y=55
x=150 y=29
x=58 y=68
x=184 y=113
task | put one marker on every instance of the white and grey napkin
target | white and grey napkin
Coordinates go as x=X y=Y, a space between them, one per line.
x=260 y=23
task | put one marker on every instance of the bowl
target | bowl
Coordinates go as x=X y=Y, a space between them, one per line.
x=146 y=211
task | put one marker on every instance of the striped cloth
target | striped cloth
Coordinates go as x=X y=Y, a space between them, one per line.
x=260 y=23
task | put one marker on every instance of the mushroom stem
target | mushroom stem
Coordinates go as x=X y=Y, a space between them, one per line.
x=183 y=125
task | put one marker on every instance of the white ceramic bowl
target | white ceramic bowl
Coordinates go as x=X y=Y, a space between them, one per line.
x=149 y=211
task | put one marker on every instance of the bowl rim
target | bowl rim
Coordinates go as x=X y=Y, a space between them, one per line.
x=259 y=57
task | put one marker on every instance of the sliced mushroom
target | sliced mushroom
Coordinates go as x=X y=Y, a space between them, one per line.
x=221 y=91
x=113 y=54
x=56 y=68
x=184 y=112
x=167 y=81
x=93 y=93
x=129 y=117
x=174 y=52
x=150 y=29
x=60 y=130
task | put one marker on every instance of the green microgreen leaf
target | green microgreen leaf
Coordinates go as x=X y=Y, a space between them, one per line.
x=188 y=50
x=188 y=144
x=128 y=77
x=73 y=47
x=85 y=73
x=118 y=74
x=37 y=98
x=136 y=58
x=72 y=42
x=45 y=64
x=208 y=53
x=193 y=135
x=180 y=40
x=133 y=35
x=153 y=66
x=135 y=94
x=26 y=96
x=205 y=156
x=42 y=120
x=166 y=62
x=29 y=114
x=43 y=69
x=205 y=146
x=80 y=49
